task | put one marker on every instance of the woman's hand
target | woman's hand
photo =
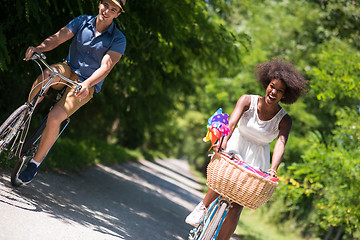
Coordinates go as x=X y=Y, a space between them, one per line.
x=272 y=172
x=217 y=146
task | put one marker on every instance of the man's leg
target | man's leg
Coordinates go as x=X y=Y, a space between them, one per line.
x=50 y=133
x=67 y=105
x=62 y=68
x=56 y=116
x=39 y=82
x=59 y=112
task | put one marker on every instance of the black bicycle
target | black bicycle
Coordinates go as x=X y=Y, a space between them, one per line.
x=14 y=130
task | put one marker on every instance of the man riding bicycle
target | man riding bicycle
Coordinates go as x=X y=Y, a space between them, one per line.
x=96 y=47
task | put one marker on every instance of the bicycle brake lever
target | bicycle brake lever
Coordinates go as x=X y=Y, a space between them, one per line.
x=37 y=55
x=34 y=56
x=78 y=88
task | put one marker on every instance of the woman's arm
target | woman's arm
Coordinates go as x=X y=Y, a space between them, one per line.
x=279 y=149
x=241 y=106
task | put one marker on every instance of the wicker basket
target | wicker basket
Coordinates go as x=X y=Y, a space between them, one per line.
x=233 y=181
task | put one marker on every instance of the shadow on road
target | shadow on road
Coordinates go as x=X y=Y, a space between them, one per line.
x=129 y=201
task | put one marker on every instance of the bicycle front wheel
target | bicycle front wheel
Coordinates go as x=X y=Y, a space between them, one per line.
x=27 y=153
x=213 y=224
x=12 y=125
x=19 y=166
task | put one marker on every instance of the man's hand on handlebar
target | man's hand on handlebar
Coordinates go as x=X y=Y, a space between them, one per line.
x=30 y=52
x=83 y=91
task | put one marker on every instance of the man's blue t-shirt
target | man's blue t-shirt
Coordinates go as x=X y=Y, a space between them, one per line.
x=86 y=51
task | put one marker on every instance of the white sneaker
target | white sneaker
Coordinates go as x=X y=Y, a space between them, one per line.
x=197 y=215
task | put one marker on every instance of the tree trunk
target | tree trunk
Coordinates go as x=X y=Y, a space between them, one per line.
x=327 y=237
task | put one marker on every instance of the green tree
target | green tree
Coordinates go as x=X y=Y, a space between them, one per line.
x=320 y=38
x=168 y=43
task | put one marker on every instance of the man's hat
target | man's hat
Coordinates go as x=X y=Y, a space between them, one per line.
x=120 y=4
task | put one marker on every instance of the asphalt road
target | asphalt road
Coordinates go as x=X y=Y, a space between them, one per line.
x=144 y=200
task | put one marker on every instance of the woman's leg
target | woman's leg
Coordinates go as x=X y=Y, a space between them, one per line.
x=196 y=216
x=210 y=197
x=230 y=223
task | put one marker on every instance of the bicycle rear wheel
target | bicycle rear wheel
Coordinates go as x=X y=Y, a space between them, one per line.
x=12 y=125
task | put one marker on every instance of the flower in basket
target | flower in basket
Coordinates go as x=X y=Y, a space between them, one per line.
x=217 y=126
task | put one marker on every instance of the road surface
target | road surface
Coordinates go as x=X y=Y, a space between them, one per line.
x=143 y=200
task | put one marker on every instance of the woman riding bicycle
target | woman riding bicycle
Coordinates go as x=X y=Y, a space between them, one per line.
x=260 y=120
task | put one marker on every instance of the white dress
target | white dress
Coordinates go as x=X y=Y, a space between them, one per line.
x=250 y=140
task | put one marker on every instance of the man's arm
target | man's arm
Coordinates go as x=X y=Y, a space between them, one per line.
x=50 y=43
x=107 y=63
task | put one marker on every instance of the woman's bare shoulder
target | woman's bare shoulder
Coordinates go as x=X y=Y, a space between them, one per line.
x=246 y=99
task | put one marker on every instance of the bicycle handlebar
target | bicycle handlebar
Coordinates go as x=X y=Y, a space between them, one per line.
x=42 y=57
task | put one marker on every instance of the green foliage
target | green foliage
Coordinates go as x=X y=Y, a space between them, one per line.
x=167 y=48
x=320 y=168
x=72 y=155
x=340 y=18
x=336 y=78
x=347 y=132
x=328 y=181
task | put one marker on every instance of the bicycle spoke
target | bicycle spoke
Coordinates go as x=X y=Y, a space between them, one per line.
x=11 y=127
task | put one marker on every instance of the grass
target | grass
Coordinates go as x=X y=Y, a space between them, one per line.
x=256 y=225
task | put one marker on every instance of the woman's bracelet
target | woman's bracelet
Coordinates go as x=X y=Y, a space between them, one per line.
x=273 y=171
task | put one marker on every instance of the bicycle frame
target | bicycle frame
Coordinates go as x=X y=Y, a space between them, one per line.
x=54 y=73
x=32 y=104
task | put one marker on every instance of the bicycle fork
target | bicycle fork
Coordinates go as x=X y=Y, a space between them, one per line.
x=15 y=149
x=228 y=205
x=217 y=205
x=210 y=227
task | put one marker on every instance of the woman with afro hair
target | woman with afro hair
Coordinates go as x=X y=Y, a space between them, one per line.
x=260 y=119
